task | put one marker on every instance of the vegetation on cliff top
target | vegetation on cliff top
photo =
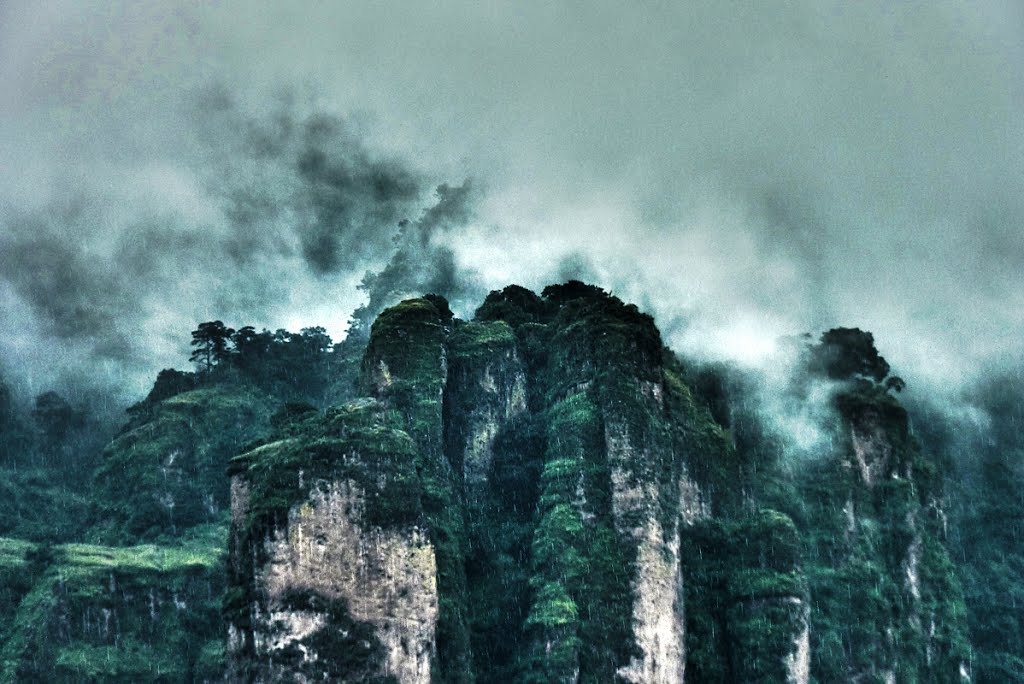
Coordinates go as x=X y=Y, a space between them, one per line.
x=536 y=567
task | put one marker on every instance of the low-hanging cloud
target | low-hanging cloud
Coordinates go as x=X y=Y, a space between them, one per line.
x=742 y=171
x=265 y=211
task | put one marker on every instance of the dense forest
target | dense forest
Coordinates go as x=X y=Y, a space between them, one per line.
x=556 y=459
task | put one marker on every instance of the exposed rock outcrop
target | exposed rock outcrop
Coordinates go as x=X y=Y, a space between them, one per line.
x=538 y=495
x=332 y=572
x=324 y=569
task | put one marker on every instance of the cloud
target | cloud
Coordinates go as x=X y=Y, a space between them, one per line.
x=742 y=171
x=256 y=216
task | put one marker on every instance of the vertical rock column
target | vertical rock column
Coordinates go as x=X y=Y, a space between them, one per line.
x=406 y=367
x=490 y=441
x=894 y=539
x=612 y=494
x=332 y=575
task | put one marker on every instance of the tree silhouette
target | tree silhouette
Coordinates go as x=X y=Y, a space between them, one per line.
x=211 y=340
x=846 y=353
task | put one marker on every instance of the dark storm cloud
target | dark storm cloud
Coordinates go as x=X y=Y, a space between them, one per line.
x=423 y=263
x=73 y=297
x=305 y=174
x=256 y=212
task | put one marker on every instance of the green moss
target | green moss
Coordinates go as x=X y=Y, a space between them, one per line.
x=37 y=506
x=360 y=443
x=481 y=339
x=356 y=442
x=405 y=366
x=485 y=381
x=582 y=565
x=597 y=374
x=746 y=597
x=408 y=339
x=167 y=475
x=21 y=564
x=535 y=563
x=128 y=614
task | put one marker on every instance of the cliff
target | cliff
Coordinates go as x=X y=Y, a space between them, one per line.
x=165 y=473
x=545 y=493
x=81 y=612
x=545 y=498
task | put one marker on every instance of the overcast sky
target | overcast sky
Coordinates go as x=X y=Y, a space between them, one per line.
x=742 y=170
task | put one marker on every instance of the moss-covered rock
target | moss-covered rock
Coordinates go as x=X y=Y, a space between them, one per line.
x=541 y=495
x=130 y=614
x=167 y=474
x=332 y=574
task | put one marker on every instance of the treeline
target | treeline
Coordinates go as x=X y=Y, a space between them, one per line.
x=50 y=431
x=46 y=447
x=305 y=366
x=51 y=446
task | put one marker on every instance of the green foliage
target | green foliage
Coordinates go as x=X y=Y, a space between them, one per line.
x=986 y=528
x=866 y=517
x=746 y=597
x=515 y=305
x=15 y=436
x=21 y=563
x=44 y=452
x=481 y=339
x=714 y=462
x=55 y=418
x=211 y=341
x=55 y=437
x=405 y=367
x=845 y=353
x=597 y=373
x=500 y=495
x=591 y=364
x=560 y=294
x=36 y=505
x=169 y=383
x=131 y=614
x=359 y=442
x=167 y=474
x=536 y=557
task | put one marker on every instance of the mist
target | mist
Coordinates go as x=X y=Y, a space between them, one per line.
x=742 y=173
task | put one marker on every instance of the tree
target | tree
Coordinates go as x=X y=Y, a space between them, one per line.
x=847 y=353
x=7 y=410
x=574 y=289
x=514 y=304
x=314 y=341
x=211 y=341
x=14 y=434
x=250 y=347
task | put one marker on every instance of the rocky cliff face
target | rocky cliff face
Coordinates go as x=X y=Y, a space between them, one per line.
x=893 y=537
x=539 y=496
x=121 y=610
x=332 y=572
x=166 y=474
x=323 y=569
x=542 y=494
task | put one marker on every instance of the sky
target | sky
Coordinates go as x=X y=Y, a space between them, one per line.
x=740 y=170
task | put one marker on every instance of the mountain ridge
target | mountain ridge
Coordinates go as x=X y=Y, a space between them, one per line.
x=543 y=493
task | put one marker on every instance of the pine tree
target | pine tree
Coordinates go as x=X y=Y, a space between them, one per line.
x=211 y=340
